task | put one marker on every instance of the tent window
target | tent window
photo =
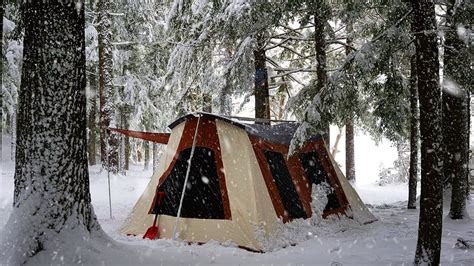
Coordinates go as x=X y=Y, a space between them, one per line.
x=315 y=172
x=284 y=184
x=202 y=198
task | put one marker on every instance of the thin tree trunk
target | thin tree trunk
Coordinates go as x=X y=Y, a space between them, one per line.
x=155 y=156
x=206 y=103
x=350 y=158
x=225 y=107
x=336 y=143
x=468 y=146
x=146 y=146
x=127 y=151
x=455 y=117
x=320 y=21
x=106 y=90
x=282 y=99
x=91 y=122
x=13 y=128
x=262 y=98
x=414 y=136
x=124 y=117
x=51 y=174
x=428 y=247
x=225 y=102
x=350 y=143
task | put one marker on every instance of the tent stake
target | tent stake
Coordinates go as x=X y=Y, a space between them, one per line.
x=175 y=235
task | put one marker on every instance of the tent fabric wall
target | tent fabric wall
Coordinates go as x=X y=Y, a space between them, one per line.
x=360 y=212
x=244 y=191
x=139 y=220
x=249 y=203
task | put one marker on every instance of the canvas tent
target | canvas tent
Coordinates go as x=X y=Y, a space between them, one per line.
x=240 y=179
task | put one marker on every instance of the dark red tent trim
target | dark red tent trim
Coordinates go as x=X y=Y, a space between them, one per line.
x=154 y=137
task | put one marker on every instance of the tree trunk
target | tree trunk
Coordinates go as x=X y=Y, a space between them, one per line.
x=320 y=21
x=1 y=85
x=108 y=142
x=91 y=148
x=51 y=174
x=414 y=136
x=350 y=153
x=155 y=156
x=206 y=103
x=127 y=152
x=146 y=146
x=428 y=247
x=468 y=146
x=225 y=101
x=455 y=116
x=13 y=128
x=350 y=158
x=262 y=97
x=336 y=144
x=124 y=117
x=225 y=106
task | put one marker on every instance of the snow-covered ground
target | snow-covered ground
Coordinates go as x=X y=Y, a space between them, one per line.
x=390 y=240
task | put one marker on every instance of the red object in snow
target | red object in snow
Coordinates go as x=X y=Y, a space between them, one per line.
x=153 y=231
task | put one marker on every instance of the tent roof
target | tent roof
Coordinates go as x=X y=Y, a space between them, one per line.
x=280 y=132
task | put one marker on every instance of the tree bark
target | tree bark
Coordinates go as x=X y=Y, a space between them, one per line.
x=320 y=21
x=350 y=156
x=91 y=122
x=155 y=156
x=13 y=129
x=146 y=146
x=428 y=247
x=124 y=123
x=262 y=96
x=108 y=142
x=455 y=116
x=414 y=135
x=468 y=146
x=206 y=103
x=1 y=85
x=51 y=172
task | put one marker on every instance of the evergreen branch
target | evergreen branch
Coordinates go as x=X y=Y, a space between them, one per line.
x=341 y=43
x=275 y=64
x=288 y=48
x=277 y=44
x=352 y=55
x=292 y=72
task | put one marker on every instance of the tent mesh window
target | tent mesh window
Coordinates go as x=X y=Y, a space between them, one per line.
x=286 y=187
x=315 y=172
x=202 y=198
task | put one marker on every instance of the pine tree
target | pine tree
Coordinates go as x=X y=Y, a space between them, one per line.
x=108 y=142
x=262 y=98
x=457 y=64
x=431 y=200
x=321 y=14
x=414 y=136
x=1 y=85
x=91 y=65
x=12 y=43
x=51 y=174
x=350 y=153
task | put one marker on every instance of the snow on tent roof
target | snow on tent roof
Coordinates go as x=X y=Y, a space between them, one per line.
x=280 y=133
